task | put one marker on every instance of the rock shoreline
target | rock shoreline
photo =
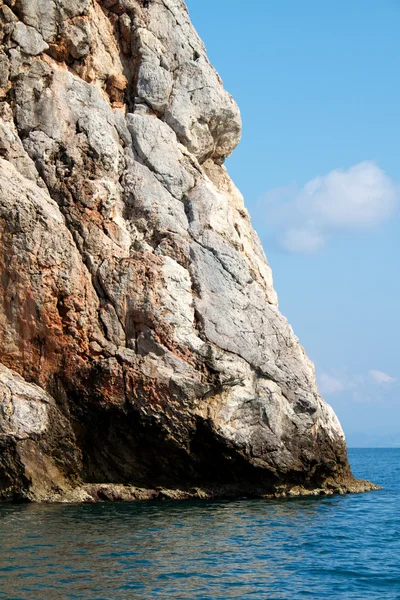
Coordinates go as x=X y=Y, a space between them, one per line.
x=91 y=493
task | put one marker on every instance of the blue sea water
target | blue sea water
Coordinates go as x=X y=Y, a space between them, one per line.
x=345 y=547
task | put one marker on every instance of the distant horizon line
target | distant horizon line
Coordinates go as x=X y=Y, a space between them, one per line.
x=374 y=447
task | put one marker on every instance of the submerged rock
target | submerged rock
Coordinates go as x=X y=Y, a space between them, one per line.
x=144 y=353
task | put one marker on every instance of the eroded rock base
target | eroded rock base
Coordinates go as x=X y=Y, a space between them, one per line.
x=125 y=493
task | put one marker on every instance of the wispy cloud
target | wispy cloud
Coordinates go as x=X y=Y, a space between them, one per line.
x=333 y=383
x=381 y=377
x=339 y=381
x=358 y=199
x=330 y=385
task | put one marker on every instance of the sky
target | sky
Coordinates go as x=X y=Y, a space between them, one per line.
x=318 y=87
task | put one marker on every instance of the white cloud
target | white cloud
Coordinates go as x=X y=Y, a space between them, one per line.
x=357 y=385
x=339 y=381
x=357 y=199
x=381 y=377
x=301 y=240
x=329 y=384
x=332 y=383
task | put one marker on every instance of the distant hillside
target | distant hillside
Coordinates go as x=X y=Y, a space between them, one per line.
x=371 y=440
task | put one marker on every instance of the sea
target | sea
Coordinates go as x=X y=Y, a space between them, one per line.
x=345 y=547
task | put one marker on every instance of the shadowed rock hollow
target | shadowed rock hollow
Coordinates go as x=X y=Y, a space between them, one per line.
x=143 y=353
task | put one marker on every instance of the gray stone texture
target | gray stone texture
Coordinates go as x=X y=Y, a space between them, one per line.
x=140 y=335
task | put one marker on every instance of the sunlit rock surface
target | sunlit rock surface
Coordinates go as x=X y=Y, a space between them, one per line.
x=144 y=353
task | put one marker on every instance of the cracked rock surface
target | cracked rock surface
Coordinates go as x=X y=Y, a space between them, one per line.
x=143 y=353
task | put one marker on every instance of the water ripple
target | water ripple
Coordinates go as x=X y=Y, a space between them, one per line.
x=340 y=547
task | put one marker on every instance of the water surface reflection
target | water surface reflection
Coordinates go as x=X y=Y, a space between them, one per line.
x=244 y=549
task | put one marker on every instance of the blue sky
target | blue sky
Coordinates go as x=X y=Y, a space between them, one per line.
x=318 y=87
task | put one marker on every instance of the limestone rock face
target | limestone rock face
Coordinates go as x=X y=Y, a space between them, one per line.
x=38 y=452
x=140 y=335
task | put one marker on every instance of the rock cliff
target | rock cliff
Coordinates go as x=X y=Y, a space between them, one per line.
x=143 y=353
